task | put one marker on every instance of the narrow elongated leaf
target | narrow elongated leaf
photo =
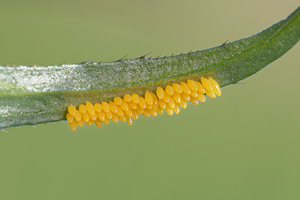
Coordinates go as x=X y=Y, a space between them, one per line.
x=40 y=94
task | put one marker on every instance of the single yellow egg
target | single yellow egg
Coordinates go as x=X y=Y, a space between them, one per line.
x=127 y=97
x=211 y=94
x=124 y=106
x=194 y=94
x=192 y=84
x=132 y=105
x=71 y=110
x=206 y=83
x=128 y=113
x=118 y=100
x=80 y=123
x=185 y=88
x=135 y=115
x=201 y=97
x=135 y=98
x=169 y=111
x=185 y=96
x=160 y=111
x=101 y=116
x=115 y=118
x=177 y=98
x=77 y=115
x=142 y=103
x=89 y=123
x=86 y=117
x=162 y=104
x=90 y=108
x=171 y=103
x=123 y=118
x=200 y=88
x=177 y=109
x=140 y=110
x=82 y=108
x=93 y=117
x=166 y=98
x=70 y=118
x=113 y=107
x=109 y=115
x=98 y=123
x=129 y=120
x=183 y=104
x=169 y=90
x=105 y=106
x=154 y=98
x=160 y=92
x=149 y=98
x=177 y=88
x=97 y=107
x=120 y=112
x=194 y=101
x=73 y=126
x=146 y=113
x=216 y=86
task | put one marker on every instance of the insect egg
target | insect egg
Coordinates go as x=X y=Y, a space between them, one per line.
x=216 y=87
x=118 y=101
x=171 y=99
x=73 y=126
x=89 y=123
x=80 y=123
x=72 y=110
x=82 y=108
x=185 y=88
x=142 y=103
x=125 y=106
x=149 y=98
x=70 y=118
x=192 y=84
x=207 y=84
x=113 y=107
x=160 y=92
x=177 y=88
x=77 y=115
x=115 y=118
x=98 y=123
x=90 y=108
x=105 y=106
x=127 y=98
x=169 y=90
x=135 y=98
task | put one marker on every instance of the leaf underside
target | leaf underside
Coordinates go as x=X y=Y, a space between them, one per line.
x=40 y=94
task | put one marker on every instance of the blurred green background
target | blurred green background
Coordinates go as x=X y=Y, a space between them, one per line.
x=242 y=145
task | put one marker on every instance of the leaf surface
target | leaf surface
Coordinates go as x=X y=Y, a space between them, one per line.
x=40 y=94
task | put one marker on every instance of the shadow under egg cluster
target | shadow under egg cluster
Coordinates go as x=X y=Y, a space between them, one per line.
x=171 y=99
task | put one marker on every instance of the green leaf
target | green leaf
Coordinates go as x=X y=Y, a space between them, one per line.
x=40 y=94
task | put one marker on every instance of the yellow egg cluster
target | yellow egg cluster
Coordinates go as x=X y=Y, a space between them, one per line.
x=171 y=99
